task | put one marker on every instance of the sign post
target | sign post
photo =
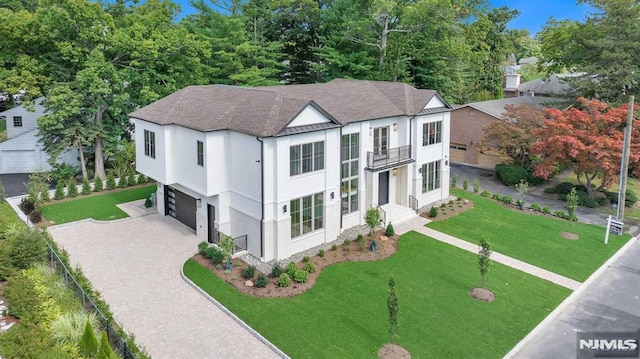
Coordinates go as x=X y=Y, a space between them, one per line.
x=614 y=226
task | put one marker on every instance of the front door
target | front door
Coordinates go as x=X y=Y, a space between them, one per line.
x=383 y=188
x=211 y=219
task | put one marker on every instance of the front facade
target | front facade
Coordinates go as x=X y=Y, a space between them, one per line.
x=21 y=152
x=288 y=168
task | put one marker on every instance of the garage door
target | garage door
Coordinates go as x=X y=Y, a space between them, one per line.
x=458 y=153
x=18 y=161
x=488 y=161
x=181 y=206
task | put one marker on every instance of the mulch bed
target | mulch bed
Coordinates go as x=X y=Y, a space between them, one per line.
x=393 y=351
x=450 y=209
x=482 y=294
x=352 y=253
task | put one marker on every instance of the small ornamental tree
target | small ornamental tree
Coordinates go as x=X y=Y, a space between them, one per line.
x=88 y=342
x=392 y=306
x=572 y=204
x=131 y=179
x=483 y=260
x=59 y=193
x=72 y=189
x=373 y=219
x=86 y=187
x=522 y=188
x=111 y=181
x=105 y=351
x=97 y=185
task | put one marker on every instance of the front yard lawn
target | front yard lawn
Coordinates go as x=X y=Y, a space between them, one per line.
x=345 y=314
x=533 y=239
x=99 y=207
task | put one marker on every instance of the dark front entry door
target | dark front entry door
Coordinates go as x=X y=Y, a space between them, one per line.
x=383 y=188
x=182 y=207
x=211 y=219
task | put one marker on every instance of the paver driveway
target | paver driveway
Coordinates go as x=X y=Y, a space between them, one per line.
x=135 y=263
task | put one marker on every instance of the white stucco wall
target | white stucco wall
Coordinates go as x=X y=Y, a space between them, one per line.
x=426 y=154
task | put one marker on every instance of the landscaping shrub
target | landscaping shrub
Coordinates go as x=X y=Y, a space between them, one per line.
x=321 y=253
x=44 y=193
x=535 y=207
x=476 y=185
x=465 y=184
x=334 y=247
x=510 y=175
x=86 y=187
x=276 y=270
x=22 y=298
x=72 y=189
x=585 y=200
x=454 y=180
x=309 y=268
x=546 y=210
x=216 y=255
x=550 y=190
x=111 y=181
x=262 y=281
x=361 y=245
x=142 y=179
x=123 y=182
x=202 y=248
x=35 y=216
x=496 y=196
x=346 y=243
x=291 y=269
x=630 y=198
x=23 y=247
x=560 y=214
x=88 y=342
x=131 y=180
x=148 y=203
x=300 y=276
x=506 y=199
x=389 y=231
x=564 y=187
x=533 y=180
x=27 y=205
x=249 y=272
x=306 y=259
x=284 y=280
x=59 y=193
x=97 y=185
x=603 y=201
x=433 y=212
x=485 y=194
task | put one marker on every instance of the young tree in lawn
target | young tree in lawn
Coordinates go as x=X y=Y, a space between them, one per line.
x=572 y=204
x=373 y=219
x=483 y=260
x=392 y=306
x=512 y=138
x=588 y=139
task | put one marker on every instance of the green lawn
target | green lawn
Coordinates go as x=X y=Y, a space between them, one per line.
x=99 y=207
x=534 y=239
x=345 y=315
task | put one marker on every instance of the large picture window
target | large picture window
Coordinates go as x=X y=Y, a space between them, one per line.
x=307 y=214
x=150 y=143
x=306 y=158
x=350 y=155
x=431 y=133
x=430 y=176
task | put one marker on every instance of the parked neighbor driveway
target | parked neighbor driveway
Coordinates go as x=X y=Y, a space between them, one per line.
x=14 y=184
x=135 y=263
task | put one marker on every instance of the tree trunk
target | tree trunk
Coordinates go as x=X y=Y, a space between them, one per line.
x=383 y=40
x=99 y=160
x=83 y=165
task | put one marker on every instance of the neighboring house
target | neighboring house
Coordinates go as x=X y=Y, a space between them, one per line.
x=553 y=86
x=468 y=121
x=21 y=152
x=291 y=167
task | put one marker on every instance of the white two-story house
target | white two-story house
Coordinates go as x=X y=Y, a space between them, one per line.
x=291 y=167
x=21 y=152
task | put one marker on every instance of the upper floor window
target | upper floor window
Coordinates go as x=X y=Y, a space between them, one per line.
x=200 y=151
x=431 y=133
x=305 y=158
x=150 y=143
x=17 y=121
x=430 y=176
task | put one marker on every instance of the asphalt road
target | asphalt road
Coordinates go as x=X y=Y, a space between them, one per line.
x=14 y=184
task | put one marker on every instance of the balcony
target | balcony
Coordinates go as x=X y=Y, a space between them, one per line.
x=389 y=158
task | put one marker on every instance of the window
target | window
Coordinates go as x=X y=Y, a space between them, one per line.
x=17 y=121
x=307 y=214
x=150 y=143
x=306 y=158
x=430 y=176
x=431 y=133
x=200 y=151
x=349 y=156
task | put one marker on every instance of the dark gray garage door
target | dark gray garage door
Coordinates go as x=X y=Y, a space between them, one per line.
x=181 y=206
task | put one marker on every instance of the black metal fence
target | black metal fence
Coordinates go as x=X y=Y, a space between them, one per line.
x=118 y=343
x=413 y=203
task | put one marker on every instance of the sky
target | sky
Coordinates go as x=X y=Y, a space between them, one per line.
x=533 y=13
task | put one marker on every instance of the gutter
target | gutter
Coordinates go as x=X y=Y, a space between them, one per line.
x=262 y=198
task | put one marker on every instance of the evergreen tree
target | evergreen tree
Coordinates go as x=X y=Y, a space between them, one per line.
x=59 y=193
x=88 y=343
x=105 y=351
x=97 y=185
x=72 y=188
x=86 y=187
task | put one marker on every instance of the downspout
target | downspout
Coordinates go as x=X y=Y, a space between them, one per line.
x=262 y=198
x=340 y=181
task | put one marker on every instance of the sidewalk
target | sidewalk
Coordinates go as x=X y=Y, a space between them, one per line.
x=417 y=224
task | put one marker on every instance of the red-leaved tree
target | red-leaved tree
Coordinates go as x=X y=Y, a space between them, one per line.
x=588 y=138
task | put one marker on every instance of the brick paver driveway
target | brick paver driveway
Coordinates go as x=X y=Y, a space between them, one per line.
x=135 y=264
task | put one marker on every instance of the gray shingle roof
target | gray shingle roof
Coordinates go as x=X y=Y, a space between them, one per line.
x=266 y=111
x=496 y=108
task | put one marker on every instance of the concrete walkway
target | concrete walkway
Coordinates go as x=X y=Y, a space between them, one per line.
x=417 y=225
x=136 y=263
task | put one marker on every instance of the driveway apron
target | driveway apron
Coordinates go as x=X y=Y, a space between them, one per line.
x=135 y=263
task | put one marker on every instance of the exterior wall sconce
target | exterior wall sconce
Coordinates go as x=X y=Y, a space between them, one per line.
x=370 y=131
x=332 y=195
x=394 y=171
x=284 y=208
x=395 y=127
x=199 y=202
x=446 y=162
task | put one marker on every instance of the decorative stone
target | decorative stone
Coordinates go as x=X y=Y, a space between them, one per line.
x=384 y=238
x=248 y=283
